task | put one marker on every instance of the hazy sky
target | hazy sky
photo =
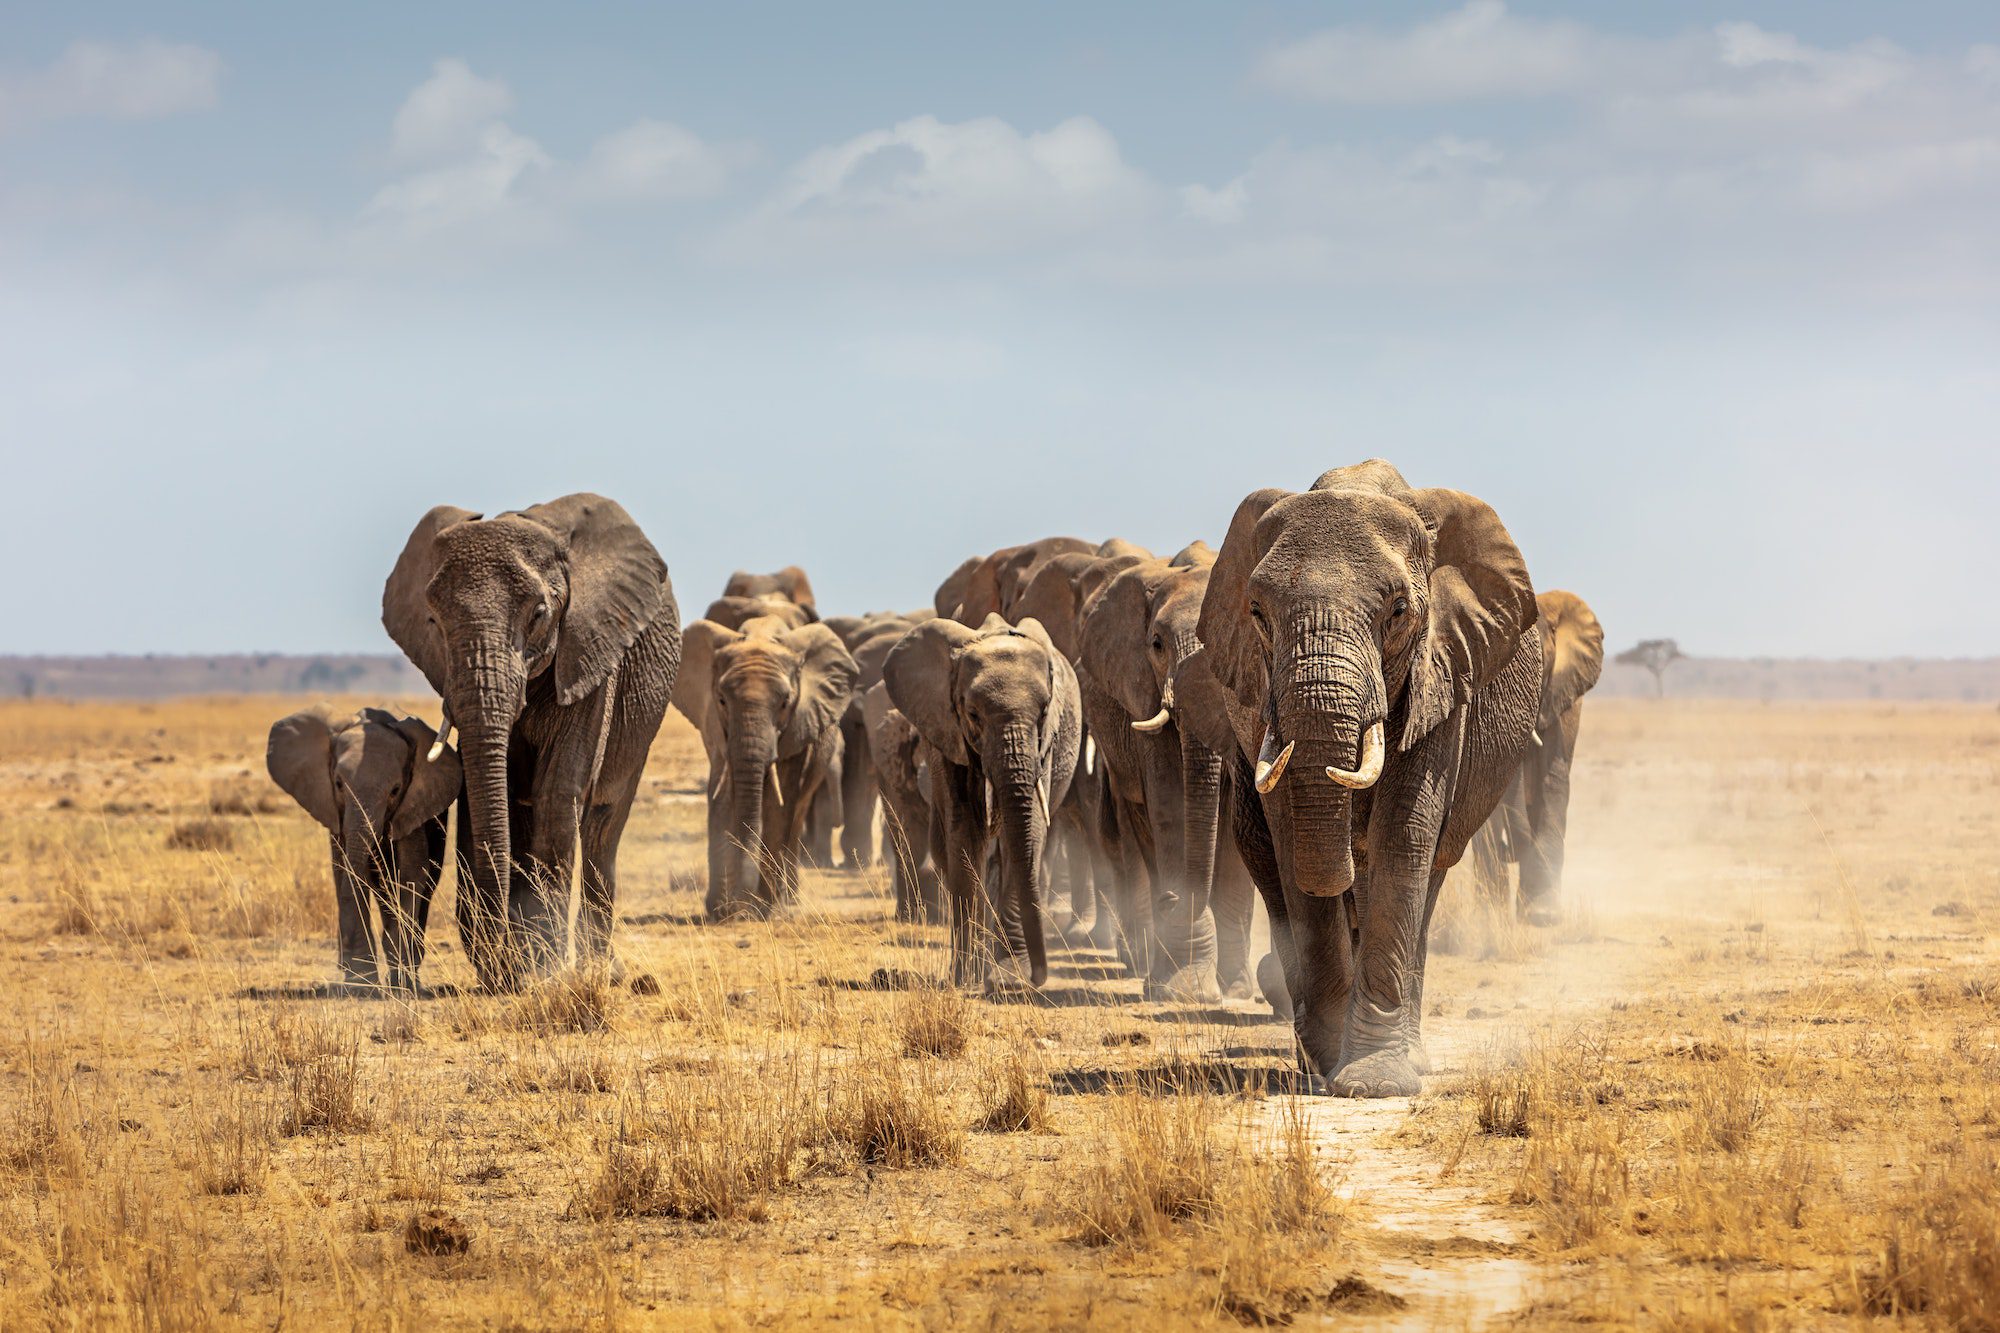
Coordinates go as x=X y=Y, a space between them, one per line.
x=1704 y=298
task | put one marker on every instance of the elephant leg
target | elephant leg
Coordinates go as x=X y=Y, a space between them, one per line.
x=823 y=812
x=352 y=890
x=1393 y=899
x=1542 y=849
x=722 y=856
x=1135 y=897
x=1234 y=902
x=857 y=800
x=603 y=828
x=961 y=844
x=404 y=902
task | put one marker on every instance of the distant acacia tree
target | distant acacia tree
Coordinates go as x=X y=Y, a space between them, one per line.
x=1656 y=655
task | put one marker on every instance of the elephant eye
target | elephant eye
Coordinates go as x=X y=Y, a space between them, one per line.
x=1157 y=645
x=1402 y=605
x=541 y=609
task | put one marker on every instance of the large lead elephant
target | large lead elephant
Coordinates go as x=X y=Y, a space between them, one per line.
x=1001 y=725
x=767 y=699
x=553 y=635
x=1383 y=668
x=381 y=785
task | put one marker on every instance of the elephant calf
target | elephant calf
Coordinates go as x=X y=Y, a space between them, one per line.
x=381 y=784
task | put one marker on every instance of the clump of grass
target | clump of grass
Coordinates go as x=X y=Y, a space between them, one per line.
x=324 y=1085
x=1154 y=1167
x=892 y=1115
x=1017 y=1102
x=206 y=834
x=934 y=1021
x=1940 y=1256
x=575 y=1001
x=242 y=796
x=48 y=1133
x=702 y=1149
x=231 y=1152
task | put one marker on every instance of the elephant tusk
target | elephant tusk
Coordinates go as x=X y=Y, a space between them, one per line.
x=777 y=791
x=1536 y=737
x=1370 y=770
x=1042 y=797
x=1271 y=767
x=1156 y=721
x=1089 y=755
x=721 y=777
x=437 y=746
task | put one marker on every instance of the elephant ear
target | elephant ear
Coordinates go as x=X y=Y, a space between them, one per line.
x=1576 y=653
x=1480 y=604
x=617 y=588
x=827 y=675
x=1114 y=640
x=951 y=593
x=980 y=597
x=433 y=783
x=299 y=759
x=1235 y=649
x=694 y=687
x=406 y=612
x=1050 y=597
x=918 y=672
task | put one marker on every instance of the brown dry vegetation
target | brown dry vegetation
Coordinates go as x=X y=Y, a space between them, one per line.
x=1752 y=1082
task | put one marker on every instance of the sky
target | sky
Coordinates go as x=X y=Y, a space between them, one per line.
x=1704 y=298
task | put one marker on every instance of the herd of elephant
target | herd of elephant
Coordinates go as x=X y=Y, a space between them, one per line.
x=1324 y=713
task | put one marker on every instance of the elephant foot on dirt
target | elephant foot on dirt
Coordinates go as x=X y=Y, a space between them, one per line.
x=1542 y=911
x=1194 y=984
x=1386 y=1073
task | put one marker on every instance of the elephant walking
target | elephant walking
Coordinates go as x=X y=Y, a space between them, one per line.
x=1382 y=663
x=1001 y=724
x=893 y=746
x=768 y=700
x=381 y=784
x=553 y=635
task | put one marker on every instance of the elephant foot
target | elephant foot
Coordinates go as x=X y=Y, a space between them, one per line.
x=1420 y=1058
x=1541 y=912
x=1104 y=934
x=1009 y=976
x=1383 y=1074
x=1239 y=989
x=1188 y=985
x=1271 y=980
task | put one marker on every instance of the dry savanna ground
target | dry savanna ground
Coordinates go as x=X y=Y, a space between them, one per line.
x=1752 y=1081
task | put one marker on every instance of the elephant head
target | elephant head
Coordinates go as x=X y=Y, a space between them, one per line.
x=733 y=611
x=998 y=705
x=1348 y=618
x=550 y=598
x=789 y=583
x=760 y=694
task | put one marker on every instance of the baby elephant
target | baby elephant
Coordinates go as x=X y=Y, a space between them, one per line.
x=381 y=783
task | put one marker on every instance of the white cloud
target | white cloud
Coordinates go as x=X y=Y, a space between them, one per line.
x=486 y=180
x=1480 y=51
x=448 y=112
x=144 y=81
x=975 y=185
x=654 y=159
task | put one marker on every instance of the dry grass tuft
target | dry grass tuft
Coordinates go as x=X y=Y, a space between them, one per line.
x=230 y=1153
x=893 y=1115
x=703 y=1149
x=575 y=1001
x=324 y=1086
x=1155 y=1166
x=935 y=1021
x=1017 y=1100
x=1941 y=1256
x=201 y=835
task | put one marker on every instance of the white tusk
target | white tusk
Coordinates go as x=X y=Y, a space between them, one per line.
x=437 y=746
x=777 y=792
x=721 y=777
x=1089 y=755
x=1371 y=762
x=1536 y=737
x=1156 y=721
x=1042 y=797
x=1269 y=767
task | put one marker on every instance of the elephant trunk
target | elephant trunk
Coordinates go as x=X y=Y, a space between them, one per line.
x=1201 y=778
x=752 y=751
x=1015 y=773
x=1330 y=696
x=486 y=703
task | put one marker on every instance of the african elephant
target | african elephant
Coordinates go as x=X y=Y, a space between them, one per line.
x=731 y=612
x=553 y=635
x=995 y=583
x=768 y=700
x=1192 y=928
x=893 y=746
x=1534 y=815
x=1001 y=724
x=381 y=784
x=1336 y=618
x=789 y=583
x=868 y=641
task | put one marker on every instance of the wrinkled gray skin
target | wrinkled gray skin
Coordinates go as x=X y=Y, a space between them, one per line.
x=789 y=583
x=368 y=778
x=893 y=746
x=1363 y=601
x=1001 y=724
x=1137 y=631
x=767 y=700
x=868 y=640
x=554 y=638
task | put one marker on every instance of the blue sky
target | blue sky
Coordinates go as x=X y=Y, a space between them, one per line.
x=1702 y=297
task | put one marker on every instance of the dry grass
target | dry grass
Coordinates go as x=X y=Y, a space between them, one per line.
x=1752 y=1082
